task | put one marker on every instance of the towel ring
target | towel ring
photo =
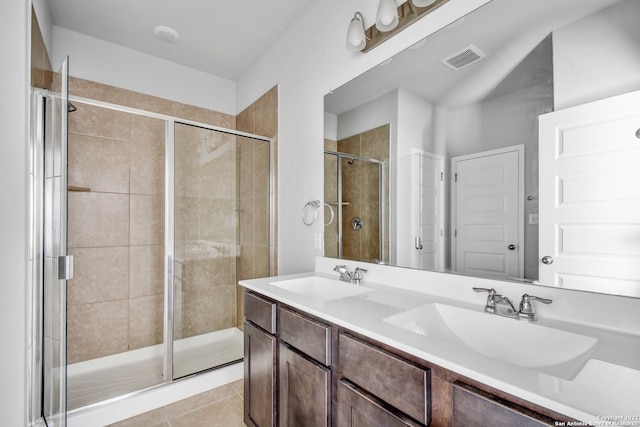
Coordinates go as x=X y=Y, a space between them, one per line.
x=332 y=214
x=315 y=204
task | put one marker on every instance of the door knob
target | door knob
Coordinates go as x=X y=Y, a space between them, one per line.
x=511 y=247
x=547 y=260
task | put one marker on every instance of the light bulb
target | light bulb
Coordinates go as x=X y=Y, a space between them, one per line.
x=387 y=16
x=356 y=39
x=386 y=20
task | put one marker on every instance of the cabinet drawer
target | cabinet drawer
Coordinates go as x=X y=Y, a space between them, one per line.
x=307 y=335
x=260 y=311
x=475 y=408
x=357 y=408
x=401 y=384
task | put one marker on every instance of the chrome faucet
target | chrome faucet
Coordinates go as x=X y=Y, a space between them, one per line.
x=355 y=278
x=498 y=304
x=358 y=276
x=502 y=306
x=526 y=308
x=490 y=306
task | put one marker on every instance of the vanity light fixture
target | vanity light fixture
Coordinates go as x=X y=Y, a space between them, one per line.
x=387 y=17
x=390 y=20
x=423 y=3
x=356 y=40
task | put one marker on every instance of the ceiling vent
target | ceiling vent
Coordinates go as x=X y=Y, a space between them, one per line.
x=463 y=57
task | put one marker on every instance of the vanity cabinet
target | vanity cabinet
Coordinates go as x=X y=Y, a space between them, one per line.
x=309 y=372
x=304 y=373
x=392 y=382
x=357 y=408
x=304 y=390
x=259 y=361
x=475 y=408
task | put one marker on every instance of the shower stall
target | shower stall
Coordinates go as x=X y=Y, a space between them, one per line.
x=355 y=194
x=163 y=216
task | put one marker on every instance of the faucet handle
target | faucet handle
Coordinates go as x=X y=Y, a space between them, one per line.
x=526 y=308
x=535 y=298
x=491 y=291
x=525 y=303
x=490 y=306
x=358 y=276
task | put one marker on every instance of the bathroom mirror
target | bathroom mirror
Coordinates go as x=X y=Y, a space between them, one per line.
x=459 y=113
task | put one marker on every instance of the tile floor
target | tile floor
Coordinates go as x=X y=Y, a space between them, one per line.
x=220 y=407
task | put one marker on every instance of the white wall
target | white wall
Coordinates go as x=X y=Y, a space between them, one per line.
x=114 y=65
x=415 y=131
x=45 y=21
x=330 y=126
x=375 y=113
x=14 y=90
x=308 y=61
x=586 y=68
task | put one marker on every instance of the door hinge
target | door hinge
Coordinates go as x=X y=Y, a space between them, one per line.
x=65 y=267
x=455 y=177
x=455 y=233
x=441 y=176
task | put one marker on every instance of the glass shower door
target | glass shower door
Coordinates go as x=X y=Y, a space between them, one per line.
x=57 y=265
x=221 y=235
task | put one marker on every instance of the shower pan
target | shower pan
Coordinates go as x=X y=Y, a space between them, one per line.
x=163 y=215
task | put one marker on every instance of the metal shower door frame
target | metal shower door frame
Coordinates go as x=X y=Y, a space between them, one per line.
x=381 y=199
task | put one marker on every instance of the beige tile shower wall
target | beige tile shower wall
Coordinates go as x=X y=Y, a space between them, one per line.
x=360 y=190
x=257 y=252
x=331 y=197
x=116 y=230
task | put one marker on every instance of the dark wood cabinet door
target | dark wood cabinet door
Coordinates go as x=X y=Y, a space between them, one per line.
x=259 y=377
x=304 y=391
x=475 y=408
x=401 y=384
x=356 y=408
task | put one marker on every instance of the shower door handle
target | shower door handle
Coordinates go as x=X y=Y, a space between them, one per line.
x=65 y=267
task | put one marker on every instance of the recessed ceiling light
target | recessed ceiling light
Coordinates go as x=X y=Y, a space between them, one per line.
x=166 y=34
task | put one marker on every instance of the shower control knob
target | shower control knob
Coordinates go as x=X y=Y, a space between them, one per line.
x=547 y=260
x=356 y=223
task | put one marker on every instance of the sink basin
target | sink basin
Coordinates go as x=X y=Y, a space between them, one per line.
x=519 y=343
x=321 y=288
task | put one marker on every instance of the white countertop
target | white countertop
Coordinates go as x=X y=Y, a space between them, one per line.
x=608 y=385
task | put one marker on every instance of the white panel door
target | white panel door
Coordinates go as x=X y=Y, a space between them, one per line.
x=590 y=196
x=429 y=240
x=487 y=213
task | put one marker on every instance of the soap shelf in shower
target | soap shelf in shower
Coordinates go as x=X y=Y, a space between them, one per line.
x=79 y=189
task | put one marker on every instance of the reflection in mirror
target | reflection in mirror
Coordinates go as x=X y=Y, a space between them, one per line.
x=461 y=110
x=356 y=194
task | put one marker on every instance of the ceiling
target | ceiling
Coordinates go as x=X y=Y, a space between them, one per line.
x=505 y=30
x=219 y=37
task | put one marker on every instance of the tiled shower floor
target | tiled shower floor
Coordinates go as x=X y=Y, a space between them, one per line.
x=101 y=379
